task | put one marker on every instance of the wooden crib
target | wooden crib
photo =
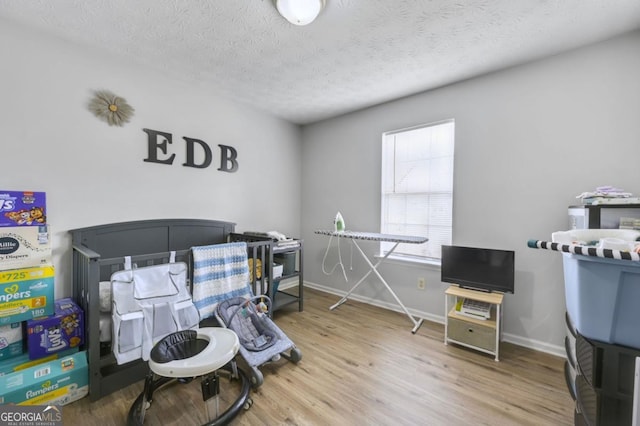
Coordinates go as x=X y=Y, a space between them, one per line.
x=99 y=251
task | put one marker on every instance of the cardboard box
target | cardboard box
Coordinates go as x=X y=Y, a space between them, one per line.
x=22 y=361
x=56 y=382
x=59 y=332
x=11 y=340
x=25 y=247
x=26 y=294
x=18 y=208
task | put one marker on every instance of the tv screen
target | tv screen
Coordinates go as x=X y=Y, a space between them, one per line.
x=478 y=268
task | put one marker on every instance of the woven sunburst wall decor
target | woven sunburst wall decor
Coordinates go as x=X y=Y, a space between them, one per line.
x=110 y=108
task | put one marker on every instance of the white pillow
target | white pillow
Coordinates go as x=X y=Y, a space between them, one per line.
x=105 y=296
x=105 y=327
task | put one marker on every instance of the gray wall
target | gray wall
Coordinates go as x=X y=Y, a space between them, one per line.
x=528 y=140
x=95 y=174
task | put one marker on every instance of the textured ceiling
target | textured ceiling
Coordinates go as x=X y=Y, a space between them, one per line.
x=357 y=53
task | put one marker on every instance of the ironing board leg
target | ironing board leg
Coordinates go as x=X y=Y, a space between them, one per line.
x=374 y=269
x=346 y=296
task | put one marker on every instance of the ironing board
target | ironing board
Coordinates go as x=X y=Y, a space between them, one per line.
x=373 y=236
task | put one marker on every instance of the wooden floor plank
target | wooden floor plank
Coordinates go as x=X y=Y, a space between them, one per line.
x=362 y=365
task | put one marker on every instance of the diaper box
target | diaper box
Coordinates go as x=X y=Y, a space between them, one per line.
x=21 y=362
x=22 y=208
x=11 y=342
x=57 y=382
x=26 y=294
x=60 y=331
x=25 y=246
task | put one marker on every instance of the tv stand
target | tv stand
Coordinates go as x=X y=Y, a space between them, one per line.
x=479 y=290
x=474 y=333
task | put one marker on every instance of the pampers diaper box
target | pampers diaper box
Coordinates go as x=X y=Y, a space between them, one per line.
x=26 y=294
x=21 y=362
x=25 y=247
x=22 y=208
x=59 y=332
x=57 y=382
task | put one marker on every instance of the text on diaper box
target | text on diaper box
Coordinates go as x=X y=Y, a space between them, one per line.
x=26 y=293
x=22 y=208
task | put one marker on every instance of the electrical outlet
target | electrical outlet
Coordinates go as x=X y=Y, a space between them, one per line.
x=421 y=283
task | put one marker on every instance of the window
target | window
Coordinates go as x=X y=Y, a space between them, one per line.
x=417 y=188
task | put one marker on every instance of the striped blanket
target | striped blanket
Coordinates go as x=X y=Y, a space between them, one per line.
x=220 y=272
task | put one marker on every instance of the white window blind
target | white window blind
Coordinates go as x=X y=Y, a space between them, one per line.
x=417 y=188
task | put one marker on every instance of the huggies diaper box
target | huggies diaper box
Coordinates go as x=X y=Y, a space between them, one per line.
x=56 y=382
x=26 y=294
x=11 y=342
x=25 y=247
x=22 y=208
x=59 y=332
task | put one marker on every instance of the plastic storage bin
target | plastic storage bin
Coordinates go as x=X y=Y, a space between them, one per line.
x=601 y=294
x=602 y=297
x=288 y=262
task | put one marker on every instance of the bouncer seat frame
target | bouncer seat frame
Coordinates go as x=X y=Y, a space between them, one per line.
x=261 y=340
x=221 y=273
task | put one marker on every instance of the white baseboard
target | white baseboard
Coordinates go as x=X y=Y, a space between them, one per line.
x=390 y=306
x=506 y=337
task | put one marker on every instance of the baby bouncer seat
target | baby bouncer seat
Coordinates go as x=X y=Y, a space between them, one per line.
x=221 y=289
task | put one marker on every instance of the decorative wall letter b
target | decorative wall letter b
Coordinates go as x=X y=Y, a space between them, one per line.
x=228 y=155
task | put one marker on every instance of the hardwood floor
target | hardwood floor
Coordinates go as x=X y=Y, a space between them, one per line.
x=362 y=366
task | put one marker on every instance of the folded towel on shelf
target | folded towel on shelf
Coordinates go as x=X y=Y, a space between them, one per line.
x=220 y=272
x=608 y=195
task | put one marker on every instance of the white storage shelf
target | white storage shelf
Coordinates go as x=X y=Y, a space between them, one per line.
x=474 y=333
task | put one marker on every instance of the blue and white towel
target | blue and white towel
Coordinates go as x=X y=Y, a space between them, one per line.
x=220 y=271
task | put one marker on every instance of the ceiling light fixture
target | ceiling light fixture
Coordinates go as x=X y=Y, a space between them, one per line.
x=299 y=12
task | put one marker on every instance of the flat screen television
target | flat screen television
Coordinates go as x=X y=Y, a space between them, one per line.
x=478 y=268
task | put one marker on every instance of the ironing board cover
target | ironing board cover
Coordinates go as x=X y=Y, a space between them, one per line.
x=374 y=236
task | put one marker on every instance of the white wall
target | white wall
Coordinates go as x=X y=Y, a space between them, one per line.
x=95 y=174
x=528 y=140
